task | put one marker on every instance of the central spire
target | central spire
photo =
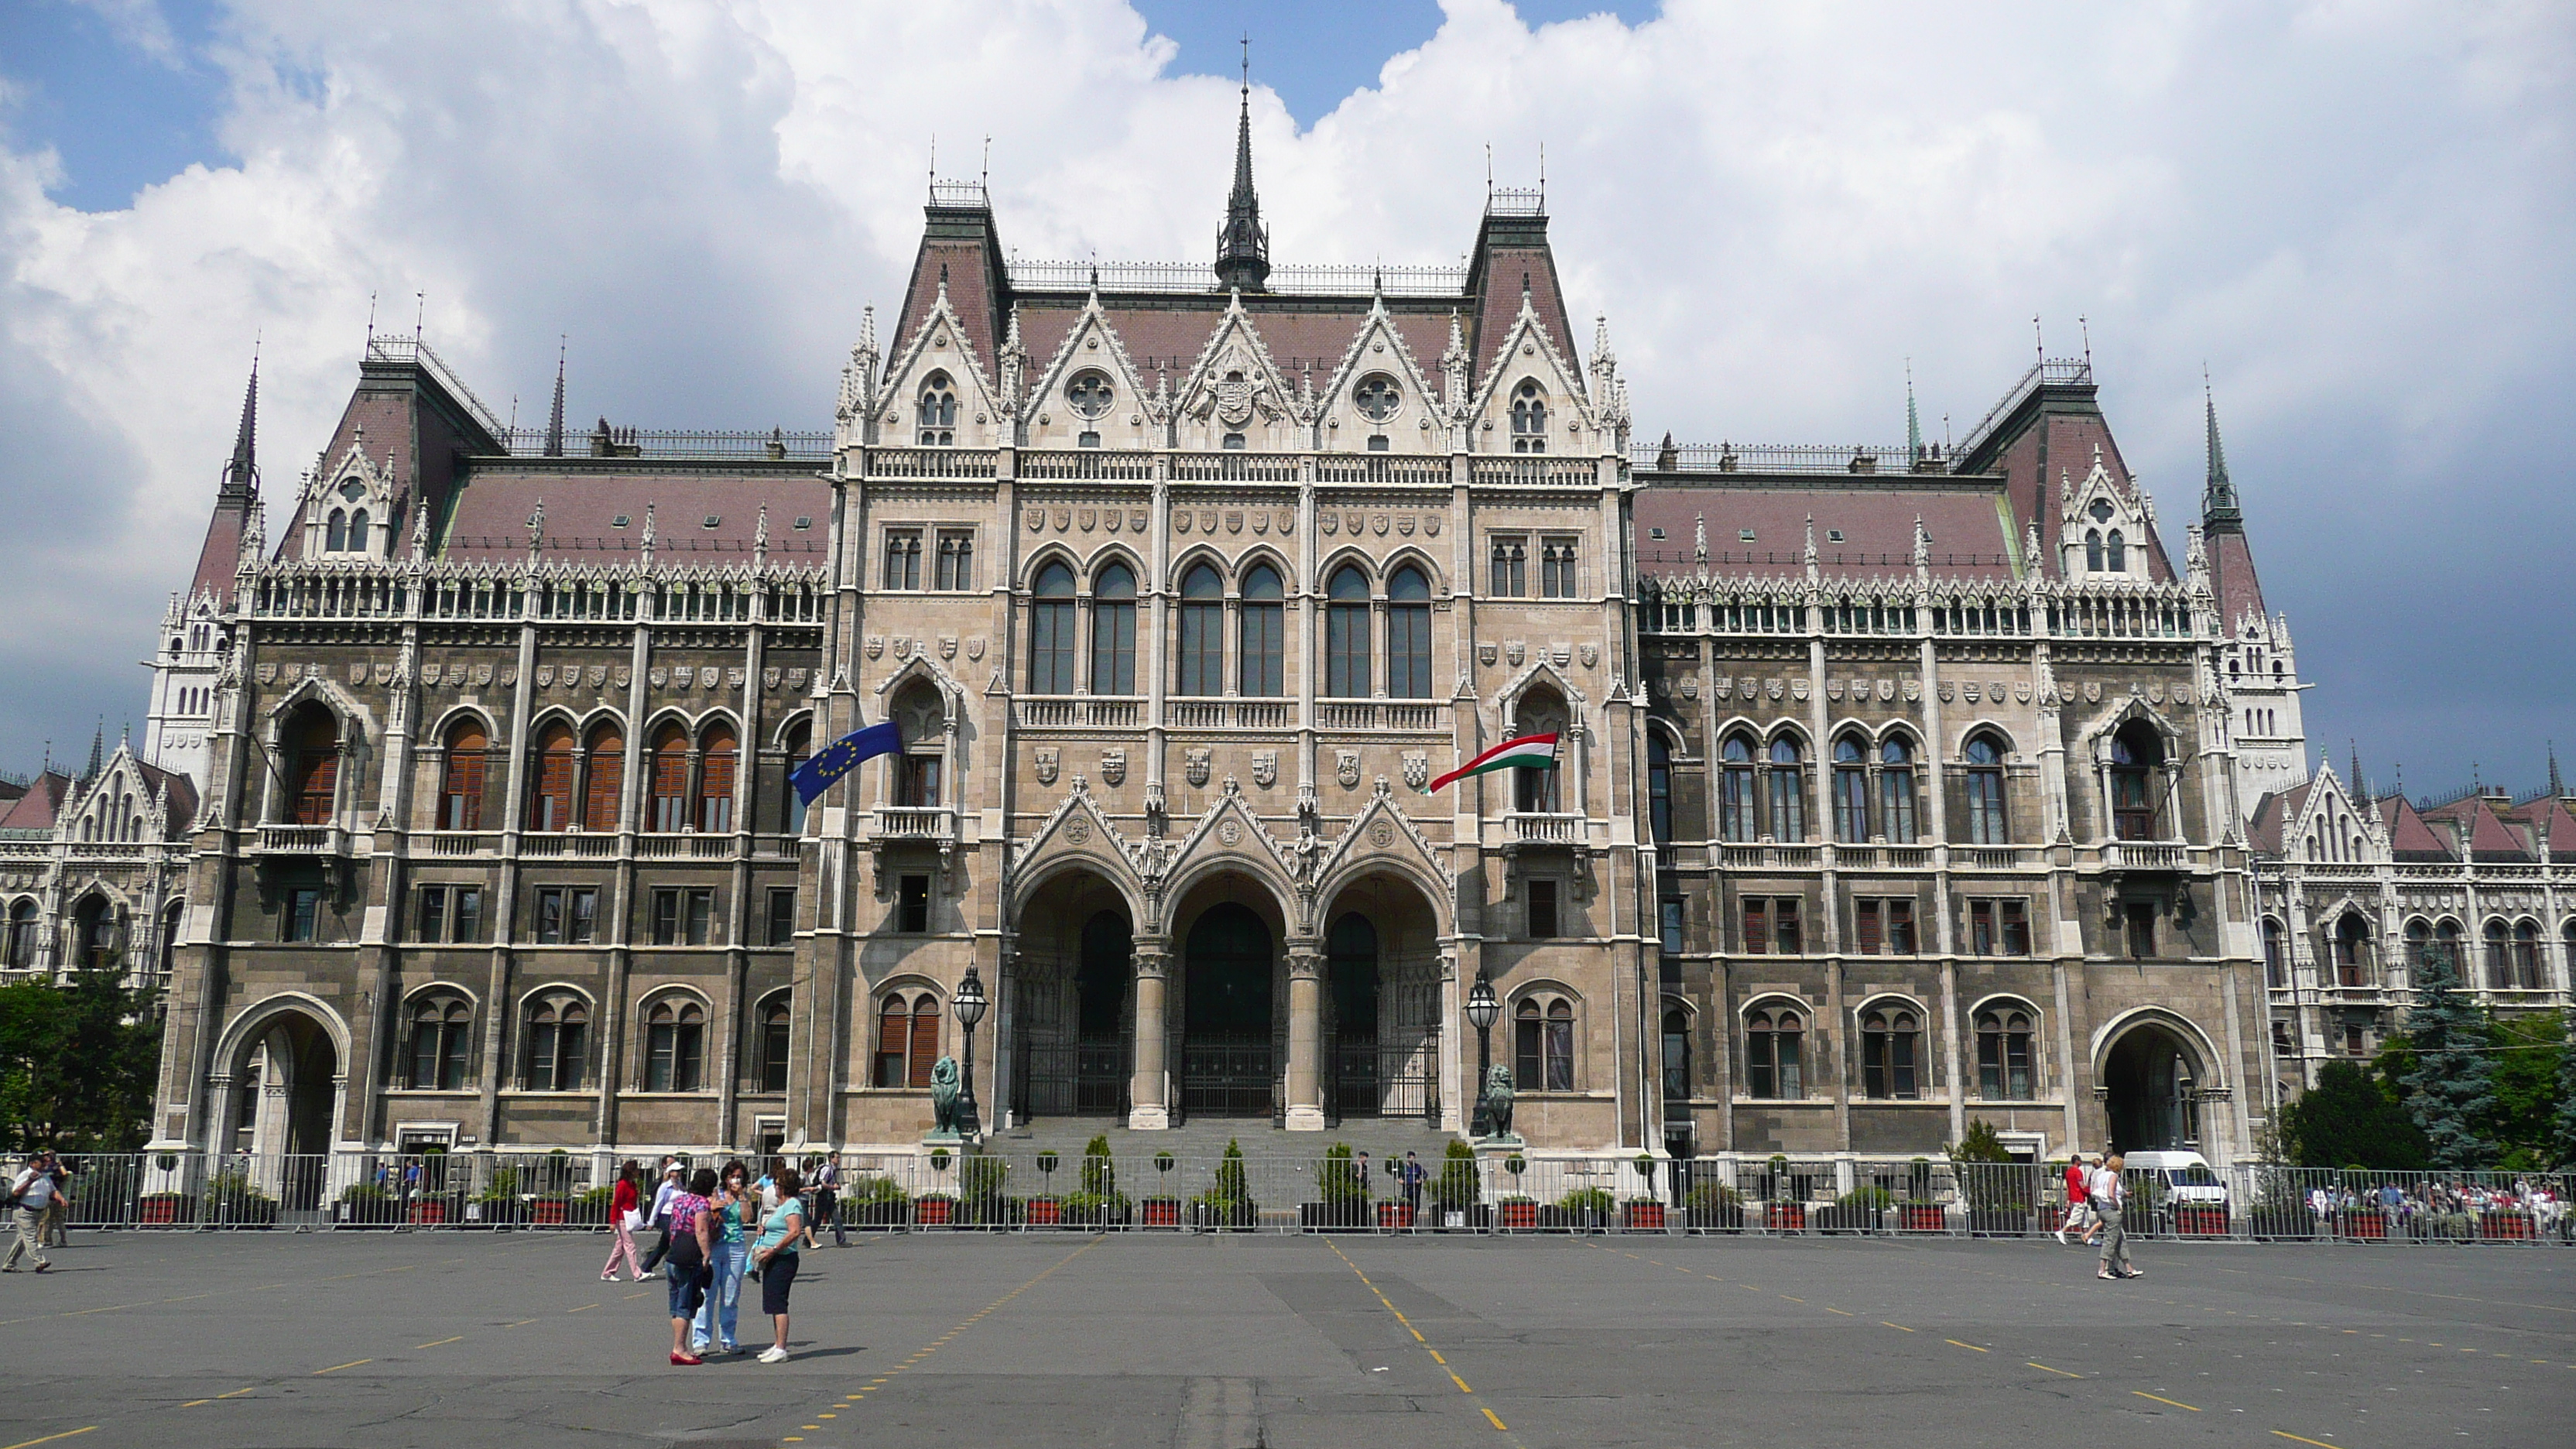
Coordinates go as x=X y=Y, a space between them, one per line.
x=2219 y=512
x=241 y=471
x=1243 y=246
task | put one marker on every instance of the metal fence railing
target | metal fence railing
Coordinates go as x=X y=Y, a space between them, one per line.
x=1495 y=1191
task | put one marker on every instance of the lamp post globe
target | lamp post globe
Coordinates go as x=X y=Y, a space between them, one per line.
x=968 y=1005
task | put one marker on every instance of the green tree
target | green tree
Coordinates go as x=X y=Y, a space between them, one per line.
x=2452 y=1088
x=78 y=1062
x=2564 y=1139
x=2528 y=1049
x=2351 y=1119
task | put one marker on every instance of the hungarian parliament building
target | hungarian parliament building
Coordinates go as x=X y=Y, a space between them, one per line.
x=1896 y=787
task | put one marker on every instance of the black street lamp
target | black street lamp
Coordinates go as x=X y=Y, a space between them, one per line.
x=1482 y=1008
x=968 y=1004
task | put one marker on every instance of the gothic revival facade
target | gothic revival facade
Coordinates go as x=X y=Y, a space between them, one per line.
x=1896 y=788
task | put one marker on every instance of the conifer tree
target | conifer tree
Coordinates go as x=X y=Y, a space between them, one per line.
x=2564 y=1138
x=2452 y=1085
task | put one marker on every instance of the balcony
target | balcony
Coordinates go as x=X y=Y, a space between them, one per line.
x=1377 y=714
x=929 y=462
x=1218 y=714
x=1086 y=463
x=1771 y=857
x=1555 y=472
x=303 y=840
x=1883 y=857
x=1992 y=857
x=915 y=822
x=1531 y=829
x=2146 y=855
x=579 y=845
x=684 y=846
x=453 y=844
x=1078 y=711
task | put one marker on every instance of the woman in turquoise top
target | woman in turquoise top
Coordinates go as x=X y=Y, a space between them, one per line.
x=774 y=1254
x=734 y=1204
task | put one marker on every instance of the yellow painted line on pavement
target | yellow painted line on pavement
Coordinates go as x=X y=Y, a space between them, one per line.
x=1828 y=1309
x=1969 y=1346
x=49 y=1438
x=1497 y=1422
x=1899 y=1327
x=460 y=1338
x=2043 y=1368
x=585 y=1308
x=335 y=1368
x=2286 y=1434
x=2159 y=1398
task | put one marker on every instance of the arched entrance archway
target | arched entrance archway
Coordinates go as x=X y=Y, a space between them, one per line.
x=2151 y=1073
x=1072 y=991
x=285 y=1092
x=1104 y=991
x=1383 y=1008
x=1229 y=1045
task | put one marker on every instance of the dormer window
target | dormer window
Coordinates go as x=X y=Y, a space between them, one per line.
x=938 y=412
x=1529 y=418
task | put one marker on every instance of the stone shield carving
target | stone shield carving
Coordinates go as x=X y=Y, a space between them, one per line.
x=1048 y=759
x=1913 y=690
x=769 y=677
x=1115 y=519
x=1775 y=688
x=875 y=646
x=947 y=646
x=1560 y=654
x=796 y=678
x=1180 y=520
x=2092 y=691
x=1113 y=766
x=509 y=675
x=1378 y=525
x=1515 y=651
x=1346 y=768
x=1207 y=521
x=1833 y=689
x=1404 y=525
x=268 y=674
x=599 y=676
x=1798 y=688
x=1431 y=525
x=1233 y=521
x=1136 y=520
x=1947 y=691
x=733 y=678
x=1354 y=522
x=1591 y=655
x=903 y=646
x=1417 y=769
x=2021 y=692
x=358 y=673
x=975 y=647
x=1485 y=654
x=1331 y=523
x=429 y=673
x=1063 y=519
x=1287 y=521
x=624 y=675
x=1037 y=519
x=685 y=676
x=1970 y=692
x=1690 y=686
x=1086 y=519
x=1265 y=768
x=1724 y=688
x=1196 y=769
x=1886 y=690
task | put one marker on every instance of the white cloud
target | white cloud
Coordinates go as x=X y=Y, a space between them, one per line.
x=2356 y=212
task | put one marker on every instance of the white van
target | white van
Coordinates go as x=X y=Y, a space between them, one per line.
x=2175 y=1177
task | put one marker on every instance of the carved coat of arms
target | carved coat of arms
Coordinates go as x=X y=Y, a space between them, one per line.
x=1346 y=768
x=769 y=677
x=1047 y=757
x=1234 y=400
x=1591 y=655
x=1515 y=652
x=1485 y=654
x=1113 y=766
x=875 y=646
x=947 y=646
x=975 y=647
x=1196 y=770
x=1265 y=768
x=1417 y=769
x=429 y=673
x=599 y=676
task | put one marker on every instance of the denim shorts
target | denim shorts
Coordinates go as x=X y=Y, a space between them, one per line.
x=688 y=1288
x=776 y=1277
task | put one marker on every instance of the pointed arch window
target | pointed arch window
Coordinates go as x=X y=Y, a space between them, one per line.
x=1735 y=815
x=2351 y=950
x=550 y=791
x=1987 y=824
x=604 y=781
x=1051 y=631
x=1408 y=634
x=558 y=1044
x=1677 y=1071
x=936 y=413
x=2115 y=552
x=1543 y=1045
x=907 y=1039
x=2276 y=955
x=1202 y=626
x=669 y=780
x=1113 y=630
x=1264 y=635
x=1346 y=634
x=800 y=747
x=461 y=775
x=773 y=1044
x=1851 y=791
x=1775 y=1054
x=1891 y=1040
x=2499 y=963
x=1529 y=418
x=1788 y=787
x=313 y=781
x=2526 y=956
x=1896 y=791
x=675 y=1045
x=1659 y=787
x=22 y=934
x=2136 y=751
x=336 y=532
x=441 y=1039
x=2003 y=1055
x=358 y=531
x=717 y=754
x=2093 y=550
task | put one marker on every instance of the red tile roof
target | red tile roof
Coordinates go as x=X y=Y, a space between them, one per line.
x=1971 y=536
x=38 y=808
x=490 y=519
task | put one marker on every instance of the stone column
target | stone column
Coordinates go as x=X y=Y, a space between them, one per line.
x=1149 y=1109
x=1305 y=1037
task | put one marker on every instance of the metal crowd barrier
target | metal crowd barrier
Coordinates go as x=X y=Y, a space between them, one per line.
x=1494 y=1192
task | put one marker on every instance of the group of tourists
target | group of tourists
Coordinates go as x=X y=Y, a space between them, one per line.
x=718 y=1228
x=2436 y=1198
x=40 y=1204
x=2097 y=1201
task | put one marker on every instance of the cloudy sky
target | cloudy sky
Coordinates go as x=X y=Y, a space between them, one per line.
x=2360 y=216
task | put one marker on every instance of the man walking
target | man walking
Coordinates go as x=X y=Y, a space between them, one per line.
x=57 y=1229
x=2077 y=1205
x=2110 y=1196
x=827 y=1200
x=30 y=1193
x=1410 y=1174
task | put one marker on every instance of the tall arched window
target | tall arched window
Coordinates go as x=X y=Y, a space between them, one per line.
x=2351 y=950
x=358 y=531
x=22 y=934
x=1896 y=791
x=2093 y=550
x=2136 y=751
x=460 y=785
x=937 y=414
x=669 y=778
x=1890 y=1044
x=335 y=532
x=1264 y=633
x=1851 y=791
x=1735 y=815
x=773 y=1044
x=1346 y=634
x=1408 y=634
x=1529 y=418
x=2115 y=551
x=716 y=756
x=558 y=1043
x=604 y=781
x=675 y=1045
x=441 y=1038
x=1986 y=822
x=2276 y=955
x=1051 y=631
x=1113 y=630
x=800 y=747
x=1543 y=1045
x=2447 y=945
x=1788 y=791
x=2526 y=955
x=1202 y=626
x=313 y=775
x=550 y=784
x=1677 y=1072
x=2003 y=1054
x=1659 y=787
x=1775 y=1054
x=907 y=1039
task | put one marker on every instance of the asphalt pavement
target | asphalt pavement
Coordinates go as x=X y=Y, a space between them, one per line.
x=461 y=1340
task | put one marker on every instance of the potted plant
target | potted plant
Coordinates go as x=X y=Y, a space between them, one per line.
x=1162 y=1210
x=875 y=1202
x=1099 y=1203
x=1713 y=1205
x=590 y=1209
x=1861 y=1210
x=934 y=1210
x=1520 y=1213
x=1228 y=1204
x=1643 y=1213
x=232 y=1201
x=1453 y=1192
x=980 y=1183
x=498 y=1202
x=165 y=1209
x=1921 y=1210
x=1343 y=1194
x=2000 y=1191
x=1584 y=1209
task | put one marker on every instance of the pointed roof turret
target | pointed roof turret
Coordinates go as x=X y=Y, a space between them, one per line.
x=241 y=472
x=97 y=752
x=1913 y=420
x=1243 y=245
x=2239 y=590
x=2218 y=508
x=554 y=419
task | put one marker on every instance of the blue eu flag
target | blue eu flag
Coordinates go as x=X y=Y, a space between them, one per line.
x=842 y=756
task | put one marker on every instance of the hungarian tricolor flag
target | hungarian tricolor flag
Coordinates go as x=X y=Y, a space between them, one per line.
x=1529 y=752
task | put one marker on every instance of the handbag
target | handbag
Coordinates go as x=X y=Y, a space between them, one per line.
x=634 y=1220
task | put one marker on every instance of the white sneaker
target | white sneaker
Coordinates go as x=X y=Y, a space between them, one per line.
x=2061 y=1237
x=773 y=1354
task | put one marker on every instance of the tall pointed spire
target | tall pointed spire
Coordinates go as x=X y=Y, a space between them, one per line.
x=2218 y=510
x=97 y=752
x=554 y=419
x=1243 y=246
x=1913 y=421
x=241 y=472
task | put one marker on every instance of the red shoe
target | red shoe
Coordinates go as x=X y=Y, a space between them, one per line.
x=690 y=1360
